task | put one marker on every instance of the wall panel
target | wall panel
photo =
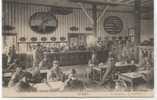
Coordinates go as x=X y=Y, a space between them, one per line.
x=19 y=14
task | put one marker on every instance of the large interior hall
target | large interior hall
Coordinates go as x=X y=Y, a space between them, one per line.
x=77 y=45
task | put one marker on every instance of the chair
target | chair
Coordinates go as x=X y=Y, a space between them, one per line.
x=120 y=85
x=94 y=73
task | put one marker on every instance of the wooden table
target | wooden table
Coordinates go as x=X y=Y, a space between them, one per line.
x=50 y=86
x=124 y=68
x=132 y=77
x=7 y=75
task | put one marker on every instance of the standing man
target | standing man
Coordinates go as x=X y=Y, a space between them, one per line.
x=11 y=54
x=93 y=61
x=109 y=70
x=37 y=55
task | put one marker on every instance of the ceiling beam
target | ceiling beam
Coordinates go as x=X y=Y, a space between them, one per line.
x=98 y=3
x=126 y=1
x=51 y=6
x=147 y=3
x=102 y=14
x=86 y=13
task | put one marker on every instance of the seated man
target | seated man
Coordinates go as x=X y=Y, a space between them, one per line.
x=149 y=78
x=13 y=66
x=17 y=75
x=71 y=76
x=24 y=84
x=45 y=63
x=149 y=75
x=144 y=64
x=55 y=73
x=73 y=82
x=36 y=75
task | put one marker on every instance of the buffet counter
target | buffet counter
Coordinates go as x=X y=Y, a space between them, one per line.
x=75 y=57
x=67 y=58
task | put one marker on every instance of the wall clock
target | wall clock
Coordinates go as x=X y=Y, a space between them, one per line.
x=113 y=25
x=43 y=22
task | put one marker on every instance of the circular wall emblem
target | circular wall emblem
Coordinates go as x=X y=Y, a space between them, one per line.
x=113 y=25
x=43 y=22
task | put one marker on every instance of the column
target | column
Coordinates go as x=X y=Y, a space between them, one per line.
x=94 y=13
x=137 y=18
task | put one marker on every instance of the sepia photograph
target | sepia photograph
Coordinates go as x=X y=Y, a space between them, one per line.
x=78 y=48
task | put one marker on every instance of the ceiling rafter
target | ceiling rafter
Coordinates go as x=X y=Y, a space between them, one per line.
x=99 y=3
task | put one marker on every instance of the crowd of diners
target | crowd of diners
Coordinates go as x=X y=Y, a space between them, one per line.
x=119 y=52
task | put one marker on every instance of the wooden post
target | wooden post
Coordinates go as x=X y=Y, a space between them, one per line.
x=94 y=11
x=137 y=17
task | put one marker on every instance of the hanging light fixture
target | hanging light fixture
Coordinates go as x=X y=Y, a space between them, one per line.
x=91 y=41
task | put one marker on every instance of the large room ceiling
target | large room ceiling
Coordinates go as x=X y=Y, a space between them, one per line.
x=69 y=3
x=120 y=5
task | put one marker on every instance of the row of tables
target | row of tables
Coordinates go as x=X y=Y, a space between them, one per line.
x=127 y=73
x=131 y=76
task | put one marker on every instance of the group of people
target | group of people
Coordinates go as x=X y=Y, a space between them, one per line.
x=127 y=55
x=110 y=63
x=123 y=50
x=21 y=80
x=25 y=80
